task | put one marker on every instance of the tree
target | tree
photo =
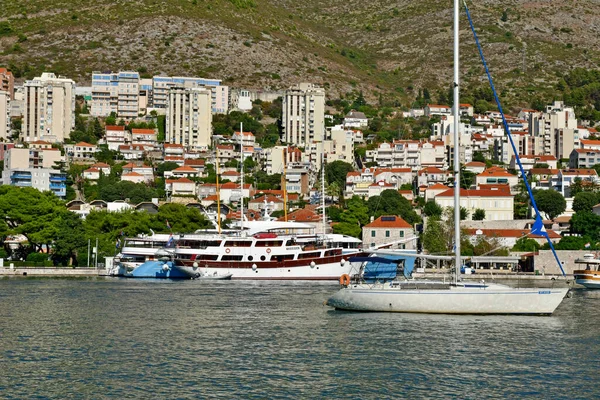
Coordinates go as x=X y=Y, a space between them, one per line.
x=479 y=214
x=164 y=167
x=70 y=241
x=467 y=179
x=432 y=209
x=550 y=202
x=586 y=223
x=435 y=237
x=526 y=244
x=29 y=212
x=337 y=171
x=390 y=202
x=584 y=201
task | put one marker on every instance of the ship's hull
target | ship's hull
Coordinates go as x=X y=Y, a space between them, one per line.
x=467 y=299
x=587 y=278
x=323 y=269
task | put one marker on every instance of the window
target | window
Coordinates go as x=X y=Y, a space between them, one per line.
x=372 y=233
x=401 y=234
x=387 y=233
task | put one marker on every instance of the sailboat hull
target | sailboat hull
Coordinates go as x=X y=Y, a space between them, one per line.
x=483 y=299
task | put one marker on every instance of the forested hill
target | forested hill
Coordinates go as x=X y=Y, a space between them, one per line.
x=380 y=47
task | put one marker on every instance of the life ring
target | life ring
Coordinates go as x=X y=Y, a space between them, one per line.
x=345 y=280
x=268 y=251
x=228 y=250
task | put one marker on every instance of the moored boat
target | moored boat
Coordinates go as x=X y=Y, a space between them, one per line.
x=590 y=276
x=384 y=292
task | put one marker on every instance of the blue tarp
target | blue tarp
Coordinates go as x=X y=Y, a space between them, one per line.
x=385 y=267
x=157 y=269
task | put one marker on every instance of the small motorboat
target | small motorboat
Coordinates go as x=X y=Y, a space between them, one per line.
x=590 y=276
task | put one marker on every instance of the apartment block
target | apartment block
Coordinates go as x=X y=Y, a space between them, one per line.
x=33 y=168
x=189 y=118
x=545 y=127
x=5 y=130
x=162 y=85
x=413 y=154
x=117 y=93
x=303 y=117
x=116 y=136
x=49 y=108
x=7 y=82
x=498 y=203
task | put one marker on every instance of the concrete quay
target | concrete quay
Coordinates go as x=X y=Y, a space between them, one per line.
x=51 y=272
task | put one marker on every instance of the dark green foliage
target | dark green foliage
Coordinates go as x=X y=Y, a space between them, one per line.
x=390 y=202
x=165 y=166
x=479 y=215
x=550 y=202
x=584 y=201
x=337 y=171
x=432 y=209
x=526 y=244
x=586 y=223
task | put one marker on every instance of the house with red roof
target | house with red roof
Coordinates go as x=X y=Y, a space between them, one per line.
x=232 y=192
x=497 y=204
x=145 y=137
x=389 y=229
x=437 y=109
x=81 y=151
x=475 y=167
x=496 y=176
x=133 y=177
x=180 y=187
x=115 y=136
x=433 y=190
x=273 y=203
x=530 y=160
x=132 y=152
x=247 y=138
x=566 y=177
x=431 y=175
x=182 y=172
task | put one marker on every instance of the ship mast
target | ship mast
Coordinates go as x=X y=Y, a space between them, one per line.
x=218 y=194
x=241 y=177
x=285 y=184
x=457 y=260
x=323 y=191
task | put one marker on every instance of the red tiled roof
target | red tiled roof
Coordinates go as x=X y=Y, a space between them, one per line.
x=476 y=193
x=185 y=169
x=84 y=144
x=496 y=171
x=261 y=199
x=114 y=128
x=143 y=131
x=302 y=215
x=173 y=146
x=514 y=233
x=388 y=221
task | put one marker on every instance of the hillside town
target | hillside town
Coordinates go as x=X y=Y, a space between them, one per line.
x=168 y=133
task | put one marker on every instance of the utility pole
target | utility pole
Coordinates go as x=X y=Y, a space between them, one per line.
x=88 y=257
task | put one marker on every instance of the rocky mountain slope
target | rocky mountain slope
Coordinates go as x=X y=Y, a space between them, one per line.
x=387 y=49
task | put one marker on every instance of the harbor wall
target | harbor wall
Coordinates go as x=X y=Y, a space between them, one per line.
x=545 y=262
x=32 y=271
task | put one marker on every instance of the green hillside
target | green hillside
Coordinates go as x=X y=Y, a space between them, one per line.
x=387 y=49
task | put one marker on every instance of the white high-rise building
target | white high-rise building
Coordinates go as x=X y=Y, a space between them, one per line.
x=303 y=117
x=49 y=108
x=189 y=118
x=161 y=85
x=4 y=115
x=546 y=127
x=115 y=92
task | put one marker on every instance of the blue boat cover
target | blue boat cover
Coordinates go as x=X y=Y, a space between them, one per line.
x=385 y=267
x=157 y=269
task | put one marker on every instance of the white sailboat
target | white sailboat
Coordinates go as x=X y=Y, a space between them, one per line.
x=454 y=297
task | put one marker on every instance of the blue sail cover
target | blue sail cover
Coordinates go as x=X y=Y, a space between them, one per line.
x=385 y=267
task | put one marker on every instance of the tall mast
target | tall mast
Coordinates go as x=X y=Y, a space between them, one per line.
x=242 y=177
x=457 y=261
x=285 y=184
x=323 y=191
x=218 y=195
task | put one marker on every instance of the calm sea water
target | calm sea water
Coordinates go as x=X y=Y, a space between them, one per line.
x=118 y=338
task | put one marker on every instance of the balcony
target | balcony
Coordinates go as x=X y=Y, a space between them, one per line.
x=57 y=186
x=20 y=176
x=58 y=178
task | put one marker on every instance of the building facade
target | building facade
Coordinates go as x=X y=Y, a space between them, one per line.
x=115 y=93
x=49 y=108
x=303 y=117
x=189 y=118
